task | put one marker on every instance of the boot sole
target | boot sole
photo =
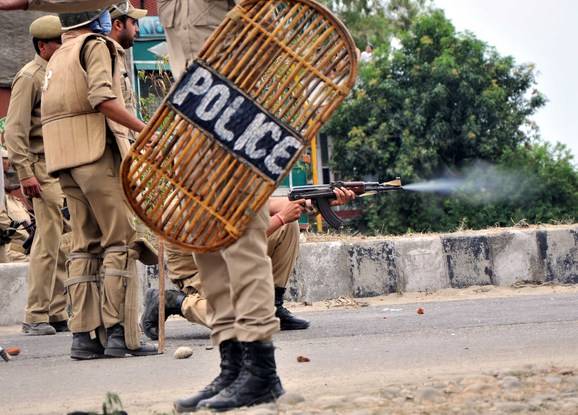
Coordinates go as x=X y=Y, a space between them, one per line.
x=285 y=327
x=115 y=352
x=267 y=398
x=84 y=355
x=31 y=333
x=179 y=409
x=123 y=352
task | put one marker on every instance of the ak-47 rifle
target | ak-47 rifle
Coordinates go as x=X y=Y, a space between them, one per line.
x=30 y=227
x=321 y=195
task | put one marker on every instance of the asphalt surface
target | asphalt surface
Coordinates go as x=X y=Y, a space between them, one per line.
x=349 y=350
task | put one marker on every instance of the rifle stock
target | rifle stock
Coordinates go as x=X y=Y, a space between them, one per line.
x=321 y=195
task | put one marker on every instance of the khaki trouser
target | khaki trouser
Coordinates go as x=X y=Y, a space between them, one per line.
x=101 y=281
x=282 y=248
x=15 y=210
x=188 y=23
x=238 y=284
x=46 y=300
x=184 y=273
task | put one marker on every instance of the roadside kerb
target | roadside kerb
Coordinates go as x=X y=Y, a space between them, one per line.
x=371 y=267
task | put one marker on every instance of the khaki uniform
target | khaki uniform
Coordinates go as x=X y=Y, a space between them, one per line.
x=282 y=248
x=125 y=82
x=237 y=281
x=83 y=147
x=69 y=6
x=188 y=23
x=46 y=301
x=147 y=253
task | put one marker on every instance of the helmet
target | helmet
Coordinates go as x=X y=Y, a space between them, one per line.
x=75 y=20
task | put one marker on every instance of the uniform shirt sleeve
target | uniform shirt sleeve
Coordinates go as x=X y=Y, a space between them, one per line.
x=69 y=6
x=18 y=124
x=98 y=65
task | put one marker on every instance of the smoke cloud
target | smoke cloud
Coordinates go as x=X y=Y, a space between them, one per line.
x=481 y=183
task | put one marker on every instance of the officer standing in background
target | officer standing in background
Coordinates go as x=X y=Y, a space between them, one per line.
x=85 y=123
x=123 y=33
x=46 y=304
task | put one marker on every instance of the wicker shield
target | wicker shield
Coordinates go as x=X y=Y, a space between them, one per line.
x=232 y=127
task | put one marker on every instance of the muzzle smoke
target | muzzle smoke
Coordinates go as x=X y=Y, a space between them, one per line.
x=481 y=183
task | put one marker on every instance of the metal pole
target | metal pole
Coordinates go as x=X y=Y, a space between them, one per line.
x=315 y=172
x=161 y=297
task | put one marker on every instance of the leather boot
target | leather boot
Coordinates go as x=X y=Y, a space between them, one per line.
x=85 y=348
x=149 y=321
x=257 y=383
x=60 y=326
x=287 y=319
x=116 y=346
x=231 y=357
x=38 y=329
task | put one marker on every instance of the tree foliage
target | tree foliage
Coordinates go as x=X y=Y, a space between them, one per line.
x=441 y=102
x=366 y=20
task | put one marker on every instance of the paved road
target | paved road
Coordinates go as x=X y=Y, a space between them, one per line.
x=350 y=349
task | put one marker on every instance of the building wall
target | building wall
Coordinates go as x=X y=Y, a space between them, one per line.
x=4 y=100
x=150 y=5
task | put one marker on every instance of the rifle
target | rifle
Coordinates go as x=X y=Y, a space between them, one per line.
x=31 y=228
x=321 y=195
x=7 y=234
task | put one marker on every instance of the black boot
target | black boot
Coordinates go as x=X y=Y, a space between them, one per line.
x=231 y=357
x=257 y=383
x=149 y=321
x=116 y=346
x=85 y=348
x=60 y=326
x=287 y=319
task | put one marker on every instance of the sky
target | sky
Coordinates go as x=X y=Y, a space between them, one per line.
x=543 y=32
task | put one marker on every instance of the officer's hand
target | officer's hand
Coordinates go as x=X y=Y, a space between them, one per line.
x=292 y=210
x=31 y=187
x=343 y=196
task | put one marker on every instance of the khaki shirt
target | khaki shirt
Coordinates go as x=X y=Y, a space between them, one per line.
x=23 y=128
x=188 y=24
x=125 y=81
x=69 y=6
x=96 y=60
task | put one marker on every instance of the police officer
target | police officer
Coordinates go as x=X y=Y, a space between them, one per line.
x=238 y=280
x=123 y=33
x=282 y=248
x=46 y=301
x=85 y=125
x=190 y=302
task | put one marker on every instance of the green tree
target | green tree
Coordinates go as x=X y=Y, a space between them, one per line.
x=436 y=104
x=375 y=21
x=366 y=20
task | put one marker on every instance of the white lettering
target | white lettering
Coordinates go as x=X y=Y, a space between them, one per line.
x=280 y=152
x=221 y=125
x=199 y=83
x=255 y=132
x=220 y=93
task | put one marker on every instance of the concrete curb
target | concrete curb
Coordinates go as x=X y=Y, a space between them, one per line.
x=371 y=267
x=502 y=257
